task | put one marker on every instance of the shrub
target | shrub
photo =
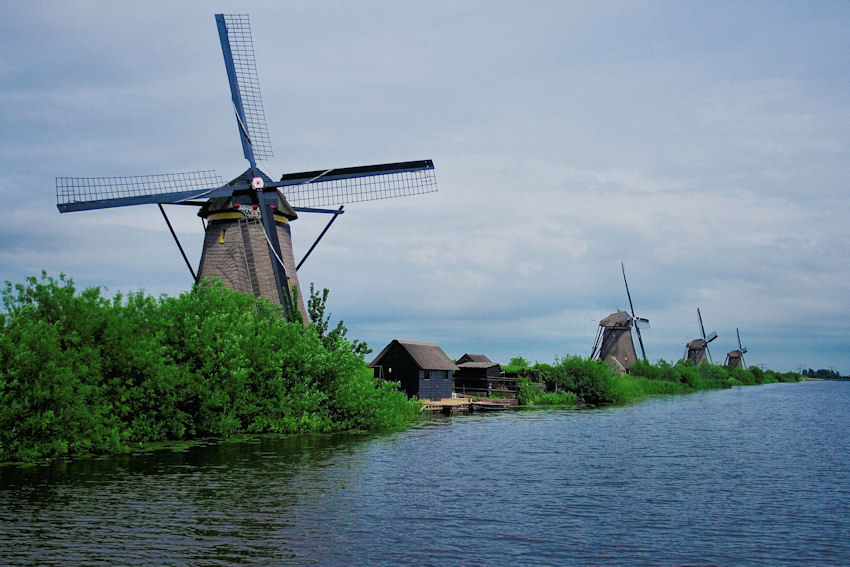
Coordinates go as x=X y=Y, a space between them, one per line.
x=80 y=373
x=591 y=380
x=532 y=394
x=643 y=369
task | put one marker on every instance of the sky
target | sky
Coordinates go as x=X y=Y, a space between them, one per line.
x=706 y=145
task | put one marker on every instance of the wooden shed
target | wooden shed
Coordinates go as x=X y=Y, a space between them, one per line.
x=422 y=369
x=477 y=375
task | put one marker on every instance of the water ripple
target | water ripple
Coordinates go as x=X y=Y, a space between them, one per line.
x=749 y=476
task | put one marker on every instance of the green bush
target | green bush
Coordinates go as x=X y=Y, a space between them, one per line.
x=712 y=376
x=533 y=394
x=80 y=373
x=643 y=369
x=591 y=380
x=758 y=374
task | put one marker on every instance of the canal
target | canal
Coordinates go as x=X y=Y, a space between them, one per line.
x=754 y=475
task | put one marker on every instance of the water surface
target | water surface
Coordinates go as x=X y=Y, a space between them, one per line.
x=748 y=476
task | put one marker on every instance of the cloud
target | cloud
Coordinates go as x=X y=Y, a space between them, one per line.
x=704 y=147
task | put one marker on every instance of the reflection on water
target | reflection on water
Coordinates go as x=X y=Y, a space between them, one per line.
x=755 y=475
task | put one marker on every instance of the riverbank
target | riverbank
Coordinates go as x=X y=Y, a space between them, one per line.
x=575 y=380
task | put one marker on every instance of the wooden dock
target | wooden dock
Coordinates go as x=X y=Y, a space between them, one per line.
x=450 y=406
x=447 y=405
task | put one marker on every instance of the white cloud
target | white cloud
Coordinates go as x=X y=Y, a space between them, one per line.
x=713 y=162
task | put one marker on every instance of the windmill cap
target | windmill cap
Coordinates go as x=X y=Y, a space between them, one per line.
x=618 y=319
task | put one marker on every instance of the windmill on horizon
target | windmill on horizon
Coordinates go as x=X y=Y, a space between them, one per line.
x=247 y=240
x=614 y=342
x=735 y=358
x=697 y=349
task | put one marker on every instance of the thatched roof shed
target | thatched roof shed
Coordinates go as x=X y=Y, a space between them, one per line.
x=421 y=368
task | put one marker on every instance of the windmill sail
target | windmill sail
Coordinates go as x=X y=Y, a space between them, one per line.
x=237 y=46
x=346 y=185
x=635 y=319
x=86 y=193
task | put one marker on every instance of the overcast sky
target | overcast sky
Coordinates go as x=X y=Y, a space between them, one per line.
x=704 y=144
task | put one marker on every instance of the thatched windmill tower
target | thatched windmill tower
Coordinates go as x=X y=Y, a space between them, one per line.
x=247 y=241
x=735 y=358
x=697 y=349
x=614 y=342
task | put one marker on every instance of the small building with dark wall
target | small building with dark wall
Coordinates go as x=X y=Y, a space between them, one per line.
x=422 y=369
x=477 y=375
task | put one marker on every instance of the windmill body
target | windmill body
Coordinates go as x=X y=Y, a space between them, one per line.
x=614 y=342
x=235 y=247
x=735 y=357
x=697 y=350
x=247 y=242
x=617 y=348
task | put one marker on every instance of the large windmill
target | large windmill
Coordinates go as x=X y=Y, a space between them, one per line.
x=697 y=349
x=247 y=241
x=735 y=358
x=615 y=335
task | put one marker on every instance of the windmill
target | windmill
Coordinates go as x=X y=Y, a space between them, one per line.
x=697 y=349
x=247 y=241
x=735 y=358
x=615 y=335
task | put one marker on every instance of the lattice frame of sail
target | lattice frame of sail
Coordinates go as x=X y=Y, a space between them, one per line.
x=357 y=189
x=245 y=65
x=71 y=190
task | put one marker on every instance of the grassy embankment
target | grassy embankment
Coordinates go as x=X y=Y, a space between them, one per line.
x=80 y=373
x=576 y=380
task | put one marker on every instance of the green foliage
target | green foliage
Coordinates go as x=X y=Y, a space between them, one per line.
x=533 y=394
x=316 y=311
x=591 y=380
x=594 y=383
x=643 y=369
x=80 y=373
x=824 y=374
x=758 y=374
x=519 y=361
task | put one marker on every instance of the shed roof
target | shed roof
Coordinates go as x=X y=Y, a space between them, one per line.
x=474 y=358
x=477 y=364
x=427 y=356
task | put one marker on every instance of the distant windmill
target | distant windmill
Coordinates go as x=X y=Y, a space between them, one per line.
x=697 y=349
x=247 y=241
x=615 y=335
x=735 y=358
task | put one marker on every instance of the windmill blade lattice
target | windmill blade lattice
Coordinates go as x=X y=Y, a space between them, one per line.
x=238 y=49
x=85 y=193
x=356 y=184
x=638 y=321
x=707 y=339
